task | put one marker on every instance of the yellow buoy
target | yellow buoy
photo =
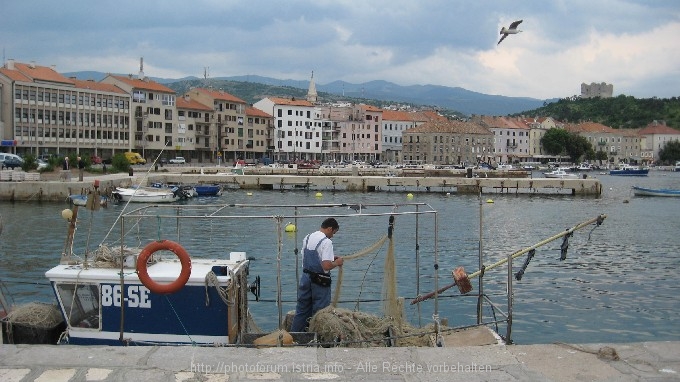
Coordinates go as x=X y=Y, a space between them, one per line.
x=290 y=227
x=318 y=194
x=409 y=195
x=489 y=201
x=67 y=214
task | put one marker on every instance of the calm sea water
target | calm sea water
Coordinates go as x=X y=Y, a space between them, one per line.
x=619 y=283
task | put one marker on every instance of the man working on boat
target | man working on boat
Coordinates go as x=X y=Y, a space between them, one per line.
x=314 y=291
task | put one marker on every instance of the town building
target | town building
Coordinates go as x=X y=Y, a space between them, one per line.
x=44 y=113
x=511 y=138
x=658 y=134
x=394 y=123
x=155 y=126
x=619 y=145
x=447 y=143
x=194 y=128
x=296 y=135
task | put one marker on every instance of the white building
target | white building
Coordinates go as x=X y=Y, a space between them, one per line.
x=297 y=133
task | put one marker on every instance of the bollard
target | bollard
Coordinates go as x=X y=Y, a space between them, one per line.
x=130 y=171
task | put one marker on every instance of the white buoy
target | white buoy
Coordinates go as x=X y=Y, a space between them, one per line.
x=249 y=193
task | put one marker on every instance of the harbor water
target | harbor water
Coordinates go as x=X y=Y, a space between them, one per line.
x=618 y=283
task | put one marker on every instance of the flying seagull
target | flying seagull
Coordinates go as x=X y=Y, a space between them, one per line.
x=512 y=30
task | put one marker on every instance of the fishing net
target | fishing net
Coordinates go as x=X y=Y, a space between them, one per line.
x=35 y=315
x=359 y=329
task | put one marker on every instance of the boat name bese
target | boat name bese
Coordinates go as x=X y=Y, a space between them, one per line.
x=137 y=296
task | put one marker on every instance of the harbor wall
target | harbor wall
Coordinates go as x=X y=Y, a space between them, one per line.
x=37 y=190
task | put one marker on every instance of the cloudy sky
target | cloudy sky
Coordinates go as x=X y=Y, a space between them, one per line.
x=632 y=44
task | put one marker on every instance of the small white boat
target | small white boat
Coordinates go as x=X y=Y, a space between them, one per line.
x=81 y=200
x=144 y=195
x=560 y=174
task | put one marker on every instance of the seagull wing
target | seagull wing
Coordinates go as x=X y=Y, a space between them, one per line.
x=515 y=24
x=502 y=38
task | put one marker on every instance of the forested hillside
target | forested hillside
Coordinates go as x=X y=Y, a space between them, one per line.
x=621 y=112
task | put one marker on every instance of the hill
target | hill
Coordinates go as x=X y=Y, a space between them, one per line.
x=621 y=112
x=457 y=100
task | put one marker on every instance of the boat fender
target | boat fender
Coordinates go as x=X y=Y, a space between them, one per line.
x=163 y=245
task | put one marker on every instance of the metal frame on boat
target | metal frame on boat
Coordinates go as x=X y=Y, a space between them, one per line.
x=132 y=294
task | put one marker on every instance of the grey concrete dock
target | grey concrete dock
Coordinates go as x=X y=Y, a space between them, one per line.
x=266 y=179
x=646 y=361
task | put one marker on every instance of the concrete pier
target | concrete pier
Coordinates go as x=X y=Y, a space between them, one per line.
x=486 y=183
x=644 y=361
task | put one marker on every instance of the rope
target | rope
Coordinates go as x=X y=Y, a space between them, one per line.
x=179 y=319
x=356 y=255
x=211 y=280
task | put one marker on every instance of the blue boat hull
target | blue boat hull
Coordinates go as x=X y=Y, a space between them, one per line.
x=641 y=191
x=642 y=172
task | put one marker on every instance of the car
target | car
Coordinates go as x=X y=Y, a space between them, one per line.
x=12 y=162
x=41 y=164
x=177 y=160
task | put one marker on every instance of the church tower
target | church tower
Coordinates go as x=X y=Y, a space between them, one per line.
x=311 y=93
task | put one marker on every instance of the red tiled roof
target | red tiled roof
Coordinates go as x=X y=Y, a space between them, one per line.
x=456 y=127
x=503 y=122
x=590 y=127
x=370 y=108
x=184 y=103
x=220 y=95
x=146 y=84
x=658 y=128
x=98 y=86
x=26 y=72
x=253 y=112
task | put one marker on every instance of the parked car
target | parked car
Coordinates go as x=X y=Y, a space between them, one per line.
x=12 y=162
x=177 y=160
x=41 y=164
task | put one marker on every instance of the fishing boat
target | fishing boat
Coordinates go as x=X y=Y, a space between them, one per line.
x=158 y=284
x=144 y=195
x=560 y=174
x=208 y=189
x=628 y=170
x=641 y=191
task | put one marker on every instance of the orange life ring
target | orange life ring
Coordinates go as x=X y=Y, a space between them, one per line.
x=163 y=245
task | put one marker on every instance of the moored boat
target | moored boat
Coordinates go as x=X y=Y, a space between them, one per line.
x=81 y=200
x=144 y=195
x=208 y=189
x=560 y=174
x=642 y=191
x=628 y=170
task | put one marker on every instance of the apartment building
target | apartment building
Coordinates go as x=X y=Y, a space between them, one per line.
x=194 y=120
x=511 y=138
x=297 y=134
x=448 y=143
x=43 y=112
x=233 y=139
x=657 y=135
x=154 y=108
x=619 y=145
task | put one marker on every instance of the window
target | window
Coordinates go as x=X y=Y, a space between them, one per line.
x=81 y=304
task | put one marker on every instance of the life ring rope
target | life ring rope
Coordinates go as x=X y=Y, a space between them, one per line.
x=163 y=245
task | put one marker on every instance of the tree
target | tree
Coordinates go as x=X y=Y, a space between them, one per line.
x=577 y=146
x=670 y=152
x=554 y=141
x=601 y=156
